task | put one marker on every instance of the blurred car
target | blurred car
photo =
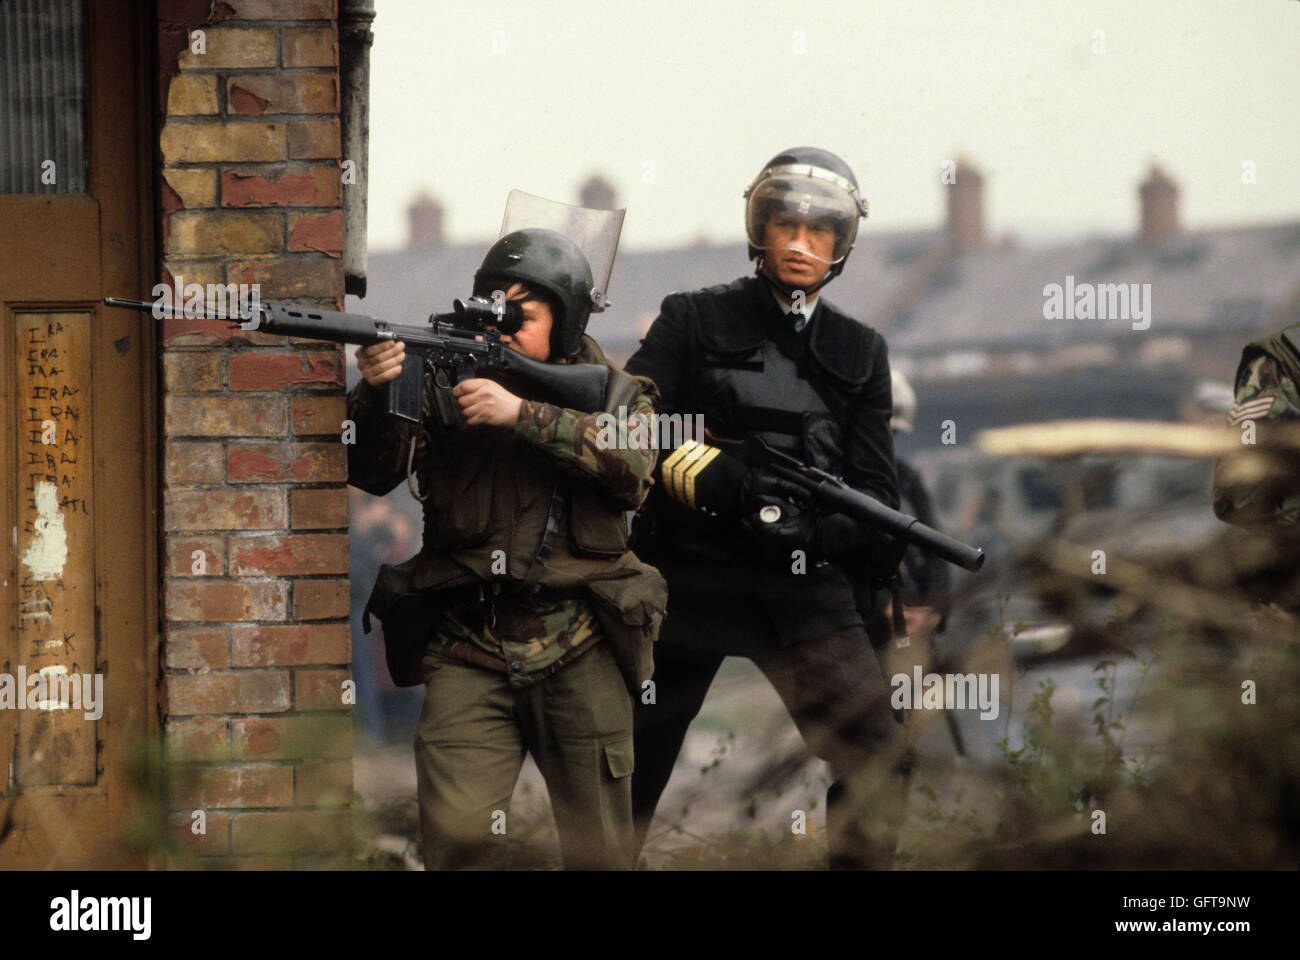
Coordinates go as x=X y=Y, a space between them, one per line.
x=1132 y=506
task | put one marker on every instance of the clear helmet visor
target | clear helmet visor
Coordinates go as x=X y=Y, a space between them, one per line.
x=595 y=232
x=816 y=218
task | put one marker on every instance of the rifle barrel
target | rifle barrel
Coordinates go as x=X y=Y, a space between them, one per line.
x=147 y=306
x=442 y=342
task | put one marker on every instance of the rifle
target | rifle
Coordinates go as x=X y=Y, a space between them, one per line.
x=459 y=342
x=834 y=494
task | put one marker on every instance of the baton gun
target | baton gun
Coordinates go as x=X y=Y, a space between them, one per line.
x=834 y=494
x=466 y=343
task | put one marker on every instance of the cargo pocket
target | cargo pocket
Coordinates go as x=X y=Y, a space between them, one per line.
x=630 y=611
x=619 y=758
x=459 y=509
x=594 y=529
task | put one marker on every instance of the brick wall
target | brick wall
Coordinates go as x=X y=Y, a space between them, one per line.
x=256 y=645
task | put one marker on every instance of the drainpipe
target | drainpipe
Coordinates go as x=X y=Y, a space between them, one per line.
x=355 y=18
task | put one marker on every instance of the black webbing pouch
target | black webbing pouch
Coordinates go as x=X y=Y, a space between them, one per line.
x=406 y=615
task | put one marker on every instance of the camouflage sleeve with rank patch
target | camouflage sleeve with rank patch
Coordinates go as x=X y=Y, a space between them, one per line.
x=1264 y=395
x=614 y=455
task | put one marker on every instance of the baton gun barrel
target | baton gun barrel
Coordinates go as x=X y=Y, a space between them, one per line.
x=872 y=512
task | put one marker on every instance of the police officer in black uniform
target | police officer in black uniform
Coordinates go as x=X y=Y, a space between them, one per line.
x=753 y=569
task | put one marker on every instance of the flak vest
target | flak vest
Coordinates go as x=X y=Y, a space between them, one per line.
x=744 y=383
x=489 y=500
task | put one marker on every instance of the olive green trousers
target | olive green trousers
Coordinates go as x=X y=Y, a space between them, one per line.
x=470 y=743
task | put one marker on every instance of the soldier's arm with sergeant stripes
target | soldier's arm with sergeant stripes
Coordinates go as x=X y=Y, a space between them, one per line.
x=1264 y=396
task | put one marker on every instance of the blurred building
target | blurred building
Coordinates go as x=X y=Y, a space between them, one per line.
x=598 y=194
x=969 y=327
x=964 y=314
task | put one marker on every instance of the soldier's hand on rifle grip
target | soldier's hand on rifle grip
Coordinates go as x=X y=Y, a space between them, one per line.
x=381 y=362
x=486 y=401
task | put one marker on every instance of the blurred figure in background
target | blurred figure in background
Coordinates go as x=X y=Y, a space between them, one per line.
x=925 y=590
x=379 y=534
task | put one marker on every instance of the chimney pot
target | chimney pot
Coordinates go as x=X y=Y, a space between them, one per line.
x=966 y=208
x=424 y=222
x=1158 y=199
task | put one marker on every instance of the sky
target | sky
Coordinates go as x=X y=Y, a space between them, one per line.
x=1063 y=106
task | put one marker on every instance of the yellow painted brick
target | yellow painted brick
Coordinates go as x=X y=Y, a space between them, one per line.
x=257 y=93
x=196 y=188
x=196 y=271
x=230 y=47
x=314 y=139
x=192 y=94
x=235 y=141
x=225 y=233
x=311 y=47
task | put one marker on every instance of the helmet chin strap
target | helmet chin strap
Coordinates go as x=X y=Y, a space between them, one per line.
x=785 y=289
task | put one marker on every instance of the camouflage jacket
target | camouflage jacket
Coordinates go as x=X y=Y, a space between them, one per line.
x=489 y=492
x=1266 y=393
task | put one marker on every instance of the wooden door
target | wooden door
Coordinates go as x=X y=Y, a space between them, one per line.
x=78 y=383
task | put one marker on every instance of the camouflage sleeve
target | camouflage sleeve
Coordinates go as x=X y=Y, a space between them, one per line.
x=1241 y=495
x=1263 y=392
x=377 y=458
x=599 y=448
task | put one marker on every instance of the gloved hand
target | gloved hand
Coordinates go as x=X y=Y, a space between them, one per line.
x=778 y=519
x=760 y=487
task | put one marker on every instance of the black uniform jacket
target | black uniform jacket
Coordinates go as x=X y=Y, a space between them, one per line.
x=823 y=395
